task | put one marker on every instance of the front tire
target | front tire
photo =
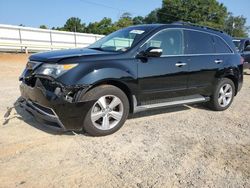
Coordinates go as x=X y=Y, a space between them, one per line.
x=108 y=113
x=223 y=95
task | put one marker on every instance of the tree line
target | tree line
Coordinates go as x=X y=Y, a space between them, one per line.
x=203 y=12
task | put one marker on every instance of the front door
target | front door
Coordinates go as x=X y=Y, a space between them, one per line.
x=165 y=76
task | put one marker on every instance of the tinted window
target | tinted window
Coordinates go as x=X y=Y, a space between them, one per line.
x=199 y=43
x=170 y=41
x=221 y=46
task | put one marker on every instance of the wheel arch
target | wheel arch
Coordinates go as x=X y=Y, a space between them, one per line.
x=119 y=84
x=235 y=81
x=233 y=75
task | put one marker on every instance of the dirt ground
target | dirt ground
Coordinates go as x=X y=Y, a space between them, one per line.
x=188 y=146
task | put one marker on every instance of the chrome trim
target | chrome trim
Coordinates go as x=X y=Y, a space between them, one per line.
x=134 y=103
x=218 y=61
x=166 y=104
x=189 y=30
x=156 y=50
x=188 y=55
x=180 y=64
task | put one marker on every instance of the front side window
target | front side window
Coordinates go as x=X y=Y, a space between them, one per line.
x=170 y=41
x=199 y=42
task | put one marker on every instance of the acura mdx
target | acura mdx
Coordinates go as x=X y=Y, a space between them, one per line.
x=131 y=70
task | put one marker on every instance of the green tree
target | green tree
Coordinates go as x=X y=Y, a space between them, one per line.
x=236 y=26
x=74 y=24
x=152 y=17
x=126 y=15
x=58 y=28
x=203 y=12
x=124 y=21
x=104 y=27
x=43 y=27
x=138 y=20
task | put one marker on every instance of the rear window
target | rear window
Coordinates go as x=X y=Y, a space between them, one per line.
x=221 y=46
x=199 y=43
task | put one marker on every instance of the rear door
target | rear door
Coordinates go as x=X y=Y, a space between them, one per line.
x=203 y=61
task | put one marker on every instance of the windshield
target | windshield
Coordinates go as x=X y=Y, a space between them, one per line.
x=121 y=40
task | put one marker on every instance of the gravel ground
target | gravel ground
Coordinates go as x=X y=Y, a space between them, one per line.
x=188 y=146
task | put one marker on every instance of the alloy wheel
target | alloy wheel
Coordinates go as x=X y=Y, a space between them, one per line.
x=107 y=112
x=225 y=95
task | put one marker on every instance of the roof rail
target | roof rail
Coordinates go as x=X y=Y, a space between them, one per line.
x=196 y=25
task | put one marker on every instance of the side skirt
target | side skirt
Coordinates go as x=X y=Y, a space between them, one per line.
x=168 y=102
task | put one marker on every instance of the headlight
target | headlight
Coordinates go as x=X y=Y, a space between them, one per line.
x=54 y=70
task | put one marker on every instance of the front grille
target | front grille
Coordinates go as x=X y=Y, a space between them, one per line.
x=48 y=84
x=30 y=81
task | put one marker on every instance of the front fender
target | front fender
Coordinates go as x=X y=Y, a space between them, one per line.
x=88 y=73
x=99 y=75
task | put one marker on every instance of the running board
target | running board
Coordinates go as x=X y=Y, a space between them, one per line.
x=196 y=99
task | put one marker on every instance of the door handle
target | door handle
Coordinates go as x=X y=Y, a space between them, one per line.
x=218 y=61
x=180 y=64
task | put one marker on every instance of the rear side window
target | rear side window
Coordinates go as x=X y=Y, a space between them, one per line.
x=221 y=46
x=198 y=43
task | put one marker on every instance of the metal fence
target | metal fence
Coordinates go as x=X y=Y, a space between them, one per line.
x=26 y=39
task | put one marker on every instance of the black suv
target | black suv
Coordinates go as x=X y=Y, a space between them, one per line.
x=243 y=47
x=131 y=70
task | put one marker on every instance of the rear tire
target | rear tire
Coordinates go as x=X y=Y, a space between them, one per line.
x=223 y=95
x=109 y=112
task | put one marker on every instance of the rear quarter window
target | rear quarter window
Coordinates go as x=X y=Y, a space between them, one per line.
x=221 y=46
x=198 y=42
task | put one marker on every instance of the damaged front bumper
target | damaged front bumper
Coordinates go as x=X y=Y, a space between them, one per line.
x=43 y=114
x=52 y=107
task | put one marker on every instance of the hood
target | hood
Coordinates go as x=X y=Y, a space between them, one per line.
x=57 y=55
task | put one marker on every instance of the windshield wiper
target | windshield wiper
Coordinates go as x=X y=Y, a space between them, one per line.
x=103 y=49
x=97 y=48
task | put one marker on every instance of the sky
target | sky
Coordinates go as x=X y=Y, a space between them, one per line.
x=33 y=13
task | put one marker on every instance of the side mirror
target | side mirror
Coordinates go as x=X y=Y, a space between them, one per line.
x=153 y=52
x=247 y=49
x=150 y=52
